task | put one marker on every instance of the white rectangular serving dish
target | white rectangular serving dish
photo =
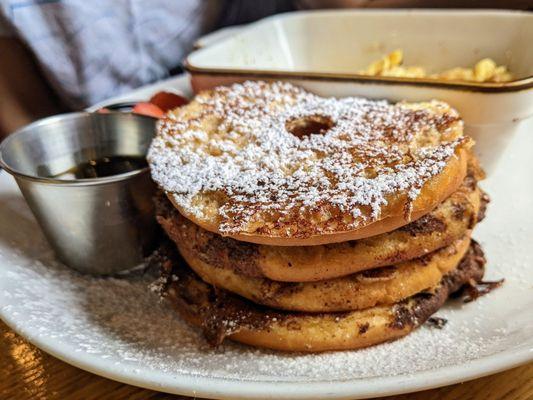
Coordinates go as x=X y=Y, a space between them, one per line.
x=322 y=50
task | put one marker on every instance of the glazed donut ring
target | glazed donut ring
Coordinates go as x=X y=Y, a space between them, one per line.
x=222 y=315
x=270 y=163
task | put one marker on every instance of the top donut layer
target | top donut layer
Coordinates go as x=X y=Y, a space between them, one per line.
x=264 y=162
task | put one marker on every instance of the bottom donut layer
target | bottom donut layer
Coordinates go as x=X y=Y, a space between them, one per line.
x=224 y=315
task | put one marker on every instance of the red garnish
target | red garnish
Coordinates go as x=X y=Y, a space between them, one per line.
x=168 y=101
x=103 y=110
x=148 y=109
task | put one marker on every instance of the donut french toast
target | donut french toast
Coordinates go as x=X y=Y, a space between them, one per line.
x=270 y=163
x=303 y=223
x=449 y=221
x=221 y=314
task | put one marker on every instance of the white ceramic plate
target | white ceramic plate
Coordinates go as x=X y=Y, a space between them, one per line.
x=117 y=328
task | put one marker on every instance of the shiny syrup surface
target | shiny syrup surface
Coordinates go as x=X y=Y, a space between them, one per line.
x=102 y=167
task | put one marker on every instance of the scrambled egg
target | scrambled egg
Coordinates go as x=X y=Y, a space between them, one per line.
x=485 y=70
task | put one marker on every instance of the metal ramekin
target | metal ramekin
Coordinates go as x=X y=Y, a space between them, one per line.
x=101 y=225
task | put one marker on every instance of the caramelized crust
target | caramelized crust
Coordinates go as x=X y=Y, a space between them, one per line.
x=445 y=224
x=222 y=314
x=381 y=286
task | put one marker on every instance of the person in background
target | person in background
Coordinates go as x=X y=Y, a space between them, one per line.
x=61 y=55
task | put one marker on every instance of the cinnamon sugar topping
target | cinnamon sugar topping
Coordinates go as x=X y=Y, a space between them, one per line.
x=232 y=146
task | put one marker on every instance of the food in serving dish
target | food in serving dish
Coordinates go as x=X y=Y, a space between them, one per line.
x=308 y=224
x=323 y=50
x=485 y=70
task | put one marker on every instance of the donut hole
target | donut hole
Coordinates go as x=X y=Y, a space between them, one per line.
x=302 y=127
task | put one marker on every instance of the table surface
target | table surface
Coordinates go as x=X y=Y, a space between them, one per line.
x=27 y=372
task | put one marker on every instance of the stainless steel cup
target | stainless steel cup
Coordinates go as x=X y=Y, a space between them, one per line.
x=100 y=225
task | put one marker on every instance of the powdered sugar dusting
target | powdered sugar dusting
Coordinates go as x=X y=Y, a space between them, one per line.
x=237 y=142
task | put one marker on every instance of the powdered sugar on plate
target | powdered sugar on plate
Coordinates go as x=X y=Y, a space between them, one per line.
x=277 y=150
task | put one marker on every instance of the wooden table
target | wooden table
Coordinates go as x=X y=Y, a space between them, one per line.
x=28 y=373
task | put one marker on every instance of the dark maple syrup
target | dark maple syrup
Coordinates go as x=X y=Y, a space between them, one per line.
x=104 y=166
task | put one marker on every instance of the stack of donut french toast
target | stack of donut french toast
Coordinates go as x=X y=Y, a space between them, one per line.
x=307 y=223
